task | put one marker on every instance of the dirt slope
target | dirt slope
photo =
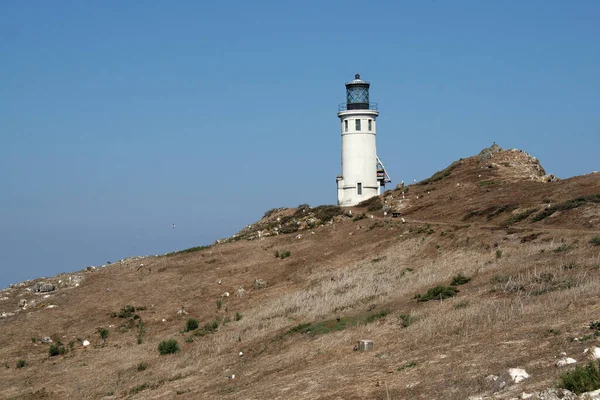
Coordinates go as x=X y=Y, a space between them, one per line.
x=528 y=241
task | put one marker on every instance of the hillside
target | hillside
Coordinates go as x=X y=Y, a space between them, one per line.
x=522 y=247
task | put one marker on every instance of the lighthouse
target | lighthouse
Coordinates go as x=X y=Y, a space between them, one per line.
x=363 y=174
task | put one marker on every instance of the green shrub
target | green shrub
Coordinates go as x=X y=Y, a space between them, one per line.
x=103 y=332
x=498 y=253
x=56 y=349
x=219 y=304
x=438 y=176
x=358 y=217
x=520 y=216
x=238 y=316
x=595 y=241
x=142 y=366
x=190 y=250
x=372 y=204
x=563 y=248
x=581 y=379
x=460 y=279
x=326 y=213
x=20 y=363
x=437 y=293
x=141 y=331
x=405 y=320
x=192 y=324
x=168 y=347
x=285 y=254
x=376 y=316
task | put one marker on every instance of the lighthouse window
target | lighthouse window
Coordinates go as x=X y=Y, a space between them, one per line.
x=358 y=124
x=359 y=188
x=370 y=125
x=346 y=126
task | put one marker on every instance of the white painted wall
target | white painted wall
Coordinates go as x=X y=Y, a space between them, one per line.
x=359 y=157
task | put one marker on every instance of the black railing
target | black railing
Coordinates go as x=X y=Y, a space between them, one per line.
x=357 y=106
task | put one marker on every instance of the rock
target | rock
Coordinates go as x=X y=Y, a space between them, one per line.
x=51 y=306
x=85 y=343
x=498 y=382
x=22 y=303
x=565 y=361
x=365 y=345
x=595 y=395
x=226 y=294
x=46 y=340
x=556 y=394
x=260 y=284
x=594 y=353
x=43 y=287
x=3 y=298
x=180 y=312
x=518 y=374
x=241 y=292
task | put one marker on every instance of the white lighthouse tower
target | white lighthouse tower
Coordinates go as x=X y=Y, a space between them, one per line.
x=363 y=174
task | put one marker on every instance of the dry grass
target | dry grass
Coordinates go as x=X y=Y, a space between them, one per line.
x=519 y=310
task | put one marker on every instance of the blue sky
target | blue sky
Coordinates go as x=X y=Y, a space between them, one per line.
x=118 y=119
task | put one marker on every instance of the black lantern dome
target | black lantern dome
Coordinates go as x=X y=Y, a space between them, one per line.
x=357 y=94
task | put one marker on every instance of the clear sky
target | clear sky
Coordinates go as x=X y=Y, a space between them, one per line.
x=118 y=119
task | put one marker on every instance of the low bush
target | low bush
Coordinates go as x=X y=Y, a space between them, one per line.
x=238 y=316
x=282 y=254
x=581 y=379
x=498 y=253
x=142 y=366
x=192 y=324
x=372 y=204
x=437 y=293
x=168 y=347
x=190 y=250
x=595 y=241
x=405 y=320
x=103 y=332
x=327 y=213
x=438 y=176
x=21 y=363
x=460 y=279
x=520 y=216
x=56 y=349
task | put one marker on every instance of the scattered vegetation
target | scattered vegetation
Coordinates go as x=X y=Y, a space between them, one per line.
x=358 y=217
x=405 y=320
x=338 y=324
x=487 y=183
x=422 y=229
x=595 y=241
x=327 y=213
x=461 y=304
x=499 y=253
x=168 y=347
x=103 y=332
x=567 y=205
x=56 y=349
x=581 y=379
x=439 y=175
x=209 y=327
x=142 y=366
x=562 y=248
x=21 y=363
x=238 y=316
x=520 y=216
x=141 y=331
x=192 y=324
x=219 y=304
x=460 y=279
x=282 y=254
x=190 y=250
x=407 y=366
x=372 y=204
x=437 y=293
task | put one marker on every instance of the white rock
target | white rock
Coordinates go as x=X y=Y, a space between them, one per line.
x=85 y=343
x=595 y=353
x=3 y=298
x=518 y=374
x=565 y=361
x=241 y=354
x=164 y=320
x=226 y=294
x=51 y=306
